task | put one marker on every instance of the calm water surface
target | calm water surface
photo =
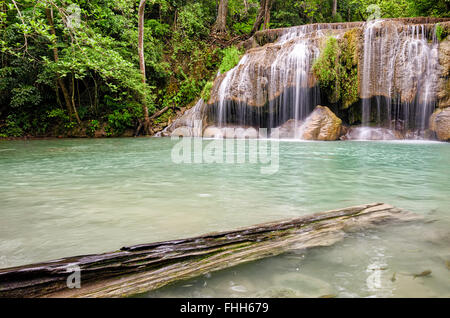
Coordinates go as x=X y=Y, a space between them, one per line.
x=70 y=197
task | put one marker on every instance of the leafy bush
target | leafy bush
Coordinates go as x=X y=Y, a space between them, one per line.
x=58 y=114
x=11 y=128
x=59 y=118
x=118 y=121
x=23 y=95
x=157 y=29
x=191 y=20
x=92 y=127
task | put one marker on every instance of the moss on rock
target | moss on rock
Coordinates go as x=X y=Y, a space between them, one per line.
x=337 y=68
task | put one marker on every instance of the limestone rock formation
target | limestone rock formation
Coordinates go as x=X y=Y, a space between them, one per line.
x=443 y=93
x=322 y=124
x=440 y=124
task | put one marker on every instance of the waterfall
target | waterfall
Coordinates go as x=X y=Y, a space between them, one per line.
x=272 y=84
x=400 y=74
x=190 y=124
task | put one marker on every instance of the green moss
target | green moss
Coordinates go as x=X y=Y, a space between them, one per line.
x=326 y=69
x=337 y=69
x=441 y=32
x=231 y=57
x=206 y=92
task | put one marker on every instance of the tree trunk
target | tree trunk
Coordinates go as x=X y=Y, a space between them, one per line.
x=220 y=26
x=146 y=122
x=333 y=13
x=263 y=16
x=59 y=80
x=268 y=6
x=245 y=7
x=140 y=268
x=74 y=107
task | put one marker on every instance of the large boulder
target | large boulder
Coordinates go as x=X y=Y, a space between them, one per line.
x=322 y=124
x=440 y=123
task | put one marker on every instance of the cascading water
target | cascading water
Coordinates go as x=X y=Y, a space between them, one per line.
x=400 y=74
x=273 y=84
x=190 y=124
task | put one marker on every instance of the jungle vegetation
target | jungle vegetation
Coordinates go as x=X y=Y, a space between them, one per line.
x=121 y=66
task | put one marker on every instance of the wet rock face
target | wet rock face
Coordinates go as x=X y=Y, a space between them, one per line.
x=322 y=124
x=399 y=60
x=440 y=124
x=443 y=93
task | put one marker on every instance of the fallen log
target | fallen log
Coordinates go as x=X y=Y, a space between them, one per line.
x=141 y=268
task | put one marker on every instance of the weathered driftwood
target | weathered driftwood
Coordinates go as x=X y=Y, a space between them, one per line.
x=145 y=267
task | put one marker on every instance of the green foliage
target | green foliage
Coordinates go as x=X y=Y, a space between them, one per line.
x=441 y=32
x=99 y=66
x=206 y=92
x=399 y=8
x=241 y=18
x=23 y=95
x=93 y=125
x=434 y=8
x=337 y=69
x=118 y=121
x=124 y=116
x=191 y=20
x=58 y=114
x=11 y=128
x=231 y=57
x=59 y=118
x=326 y=69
